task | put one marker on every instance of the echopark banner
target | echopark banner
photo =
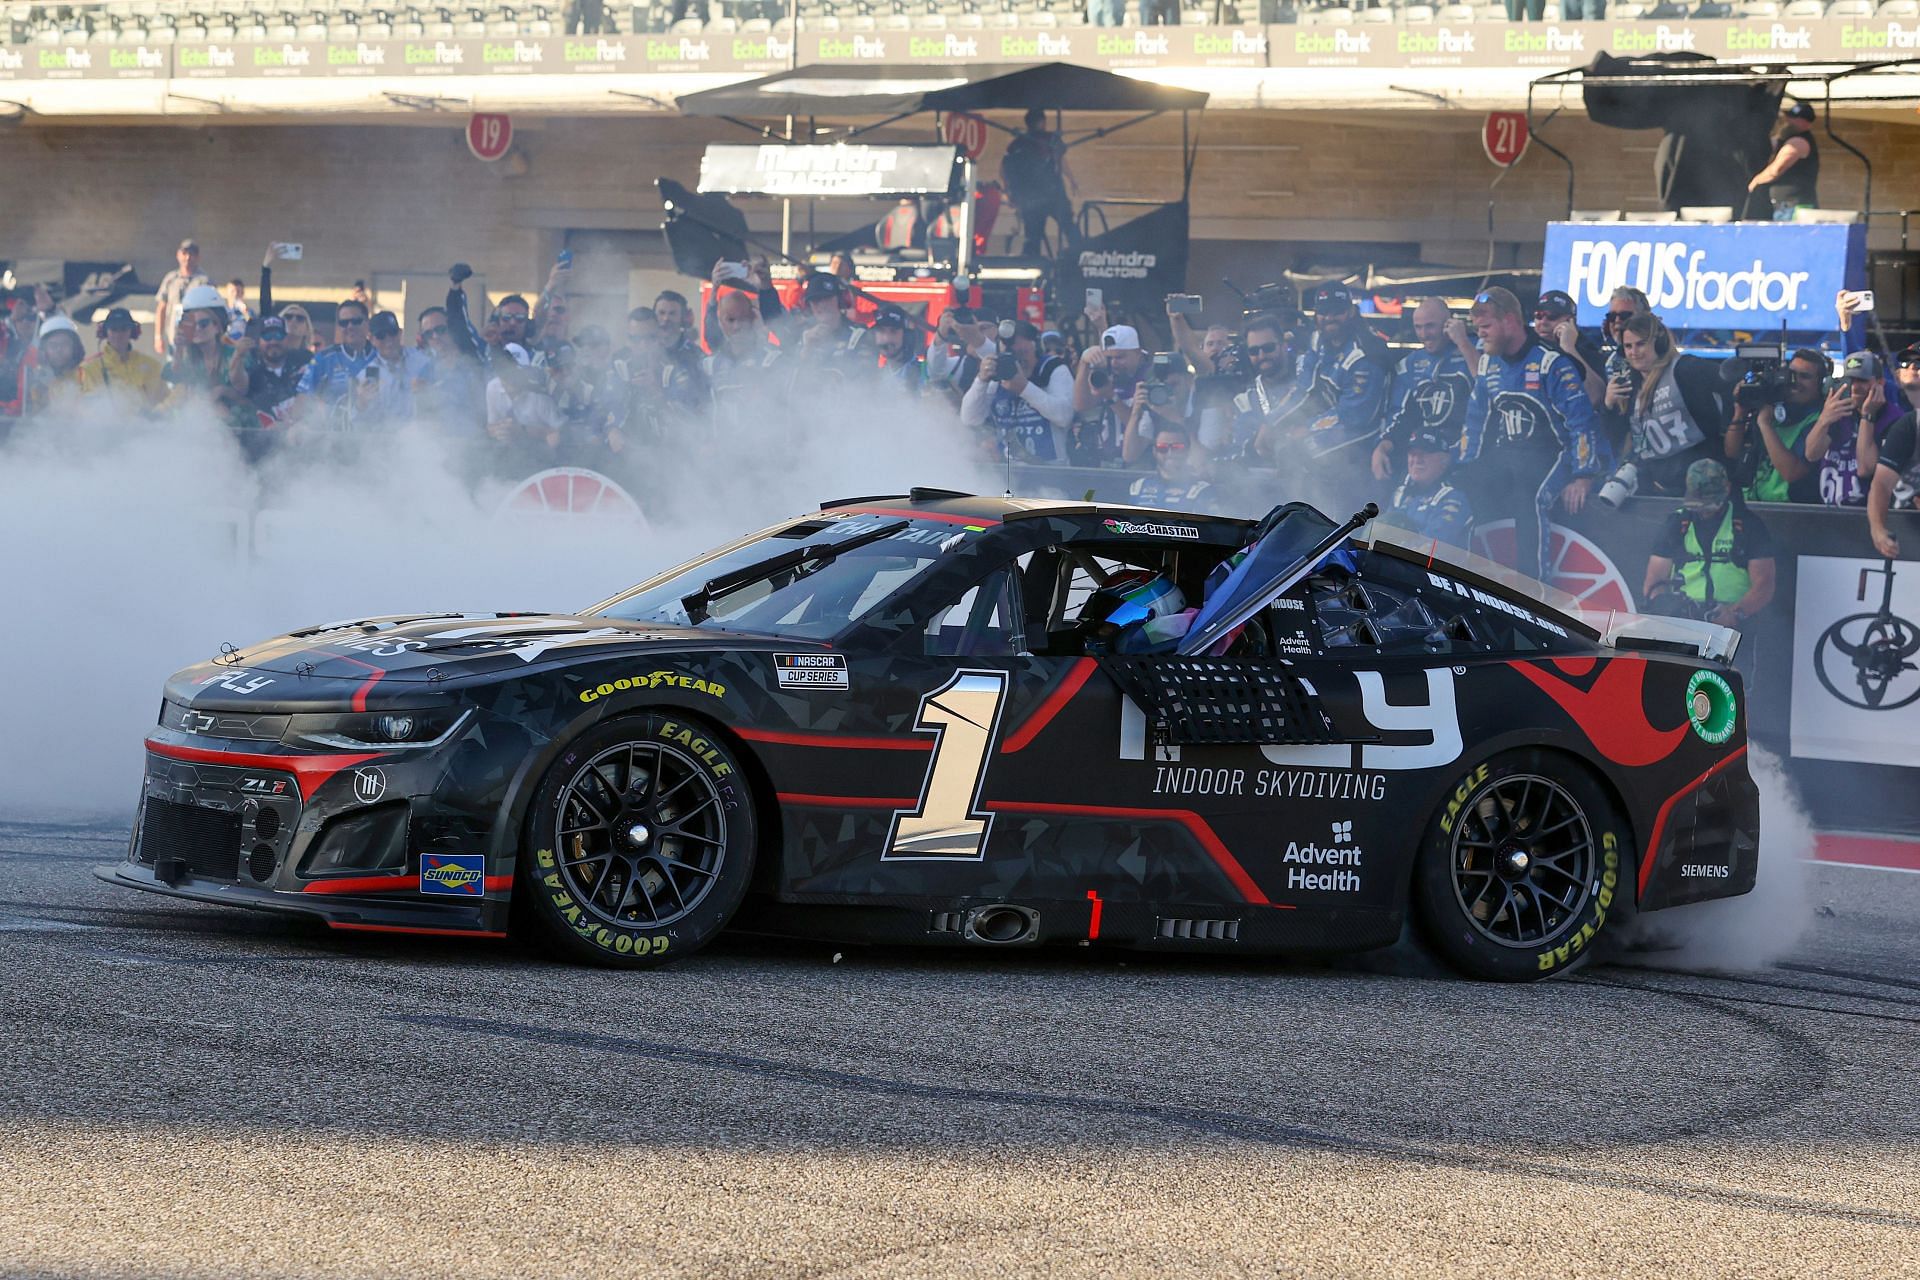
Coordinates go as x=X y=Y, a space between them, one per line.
x=1739 y=275
x=1542 y=46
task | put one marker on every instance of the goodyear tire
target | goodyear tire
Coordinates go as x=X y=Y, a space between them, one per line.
x=1523 y=872
x=640 y=843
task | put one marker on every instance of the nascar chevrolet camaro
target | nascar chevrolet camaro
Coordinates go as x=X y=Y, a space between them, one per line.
x=939 y=718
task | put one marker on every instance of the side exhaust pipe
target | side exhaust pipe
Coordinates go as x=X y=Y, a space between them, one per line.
x=1001 y=925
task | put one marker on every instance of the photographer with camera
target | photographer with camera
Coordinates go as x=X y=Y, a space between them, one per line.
x=1161 y=399
x=1774 y=408
x=1026 y=401
x=1714 y=558
x=1529 y=430
x=1121 y=356
x=1430 y=388
x=1844 y=443
x=960 y=343
x=1675 y=416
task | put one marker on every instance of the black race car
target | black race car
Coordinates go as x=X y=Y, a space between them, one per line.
x=938 y=718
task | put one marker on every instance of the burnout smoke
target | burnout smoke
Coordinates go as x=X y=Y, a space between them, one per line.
x=136 y=550
x=1756 y=929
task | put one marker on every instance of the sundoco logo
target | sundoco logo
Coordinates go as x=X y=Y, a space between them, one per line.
x=1778 y=36
x=1043 y=45
x=1710 y=707
x=1445 y=40
x=1675 y=277
x=1337 y=41
x=1152 y=530
x=655 y=680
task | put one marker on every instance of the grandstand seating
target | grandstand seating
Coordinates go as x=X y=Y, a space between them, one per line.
x=168 y=21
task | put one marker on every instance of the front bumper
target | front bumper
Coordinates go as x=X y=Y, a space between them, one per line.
x=359 y=842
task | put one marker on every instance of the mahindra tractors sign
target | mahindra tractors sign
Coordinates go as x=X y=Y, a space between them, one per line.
x=1733 y=276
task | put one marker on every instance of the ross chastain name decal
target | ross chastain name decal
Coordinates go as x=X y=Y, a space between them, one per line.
x=1286 y=784
x=1152 y=530
x=1494 y=602
x=655 y=680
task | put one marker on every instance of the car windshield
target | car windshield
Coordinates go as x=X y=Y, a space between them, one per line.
x=815 y=599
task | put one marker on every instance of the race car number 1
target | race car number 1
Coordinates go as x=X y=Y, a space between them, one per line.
x=948 y=824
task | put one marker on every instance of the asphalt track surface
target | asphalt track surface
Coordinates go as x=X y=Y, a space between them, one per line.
x=193 y=1091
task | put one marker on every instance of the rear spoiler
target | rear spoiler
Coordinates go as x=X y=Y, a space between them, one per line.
x=1637 y=631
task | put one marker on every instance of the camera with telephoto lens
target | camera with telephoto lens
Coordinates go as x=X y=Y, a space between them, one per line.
x=1621 y=485
x=1763 y=376
x=1005 y=366
x=1232 y=374
x=1159 y=394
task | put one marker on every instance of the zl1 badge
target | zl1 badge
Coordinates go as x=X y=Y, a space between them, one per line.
x=459 y=875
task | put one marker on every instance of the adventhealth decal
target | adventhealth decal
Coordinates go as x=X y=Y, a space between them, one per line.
x=1731 y=276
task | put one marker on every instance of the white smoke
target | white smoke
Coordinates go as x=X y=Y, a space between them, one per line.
x=136 y=549
x=1758 y=928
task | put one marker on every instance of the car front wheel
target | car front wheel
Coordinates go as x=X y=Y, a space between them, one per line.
x=640 y=843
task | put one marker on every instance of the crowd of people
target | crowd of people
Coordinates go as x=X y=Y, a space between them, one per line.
x=1498 y=413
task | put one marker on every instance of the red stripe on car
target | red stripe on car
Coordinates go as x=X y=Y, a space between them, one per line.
x=310 y=771
x=1043 y=715
x=1666 y=810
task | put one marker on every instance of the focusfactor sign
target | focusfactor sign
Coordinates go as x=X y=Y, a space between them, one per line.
x=1730 y=276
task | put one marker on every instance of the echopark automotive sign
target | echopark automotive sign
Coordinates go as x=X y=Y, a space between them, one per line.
x=1731 y=276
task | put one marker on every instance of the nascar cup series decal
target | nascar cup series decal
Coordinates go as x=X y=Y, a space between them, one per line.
x=1710 y=707
x=811 y=670
x=457 y=875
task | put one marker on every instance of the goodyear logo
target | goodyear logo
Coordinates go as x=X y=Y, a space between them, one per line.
x=460 y=875
x=655 y=680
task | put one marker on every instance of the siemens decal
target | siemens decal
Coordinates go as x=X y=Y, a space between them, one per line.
x=1737 y=275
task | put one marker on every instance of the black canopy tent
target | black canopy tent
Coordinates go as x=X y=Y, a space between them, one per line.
x=1609 y=87
x=856 y=100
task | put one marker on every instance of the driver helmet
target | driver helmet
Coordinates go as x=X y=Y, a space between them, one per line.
x=1157 y=598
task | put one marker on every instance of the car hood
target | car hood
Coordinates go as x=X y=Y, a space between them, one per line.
x=452 y=646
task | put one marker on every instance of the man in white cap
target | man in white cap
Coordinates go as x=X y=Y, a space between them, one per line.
x=1125 y=363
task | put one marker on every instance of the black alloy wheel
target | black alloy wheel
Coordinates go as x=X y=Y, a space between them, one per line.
x=1525 y=870
x=641 y=843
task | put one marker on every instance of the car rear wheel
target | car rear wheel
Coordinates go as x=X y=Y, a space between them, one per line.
x=1522 y=871
x=640 y=843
